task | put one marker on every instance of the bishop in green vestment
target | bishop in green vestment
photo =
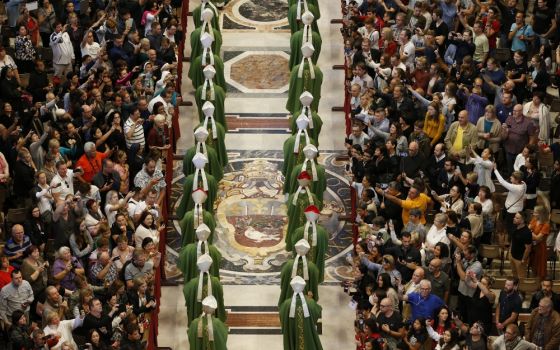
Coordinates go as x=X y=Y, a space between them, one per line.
x=294 y=145
x=298 y=319
x=297 y=202
x=207 y=58
x=189 y=255
x=299 y=266
x=207 y=332
x=294 y=16
x=315 y=122
x=308 y=2
x=194 y=218
x=303 y=36
x=318 y=183
x=216 y=133
x=304 y=77
x=197 y=14
x=196 y=46
x=198 y=179
x=213 y=167
x=202 y=286
x=317 y=237
x=212 y=93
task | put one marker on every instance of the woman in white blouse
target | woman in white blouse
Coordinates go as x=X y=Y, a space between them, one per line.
x=437 y=232
x=146 y=228
x=61 y=329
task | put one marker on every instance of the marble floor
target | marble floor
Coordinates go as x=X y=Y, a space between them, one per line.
x=255 y=52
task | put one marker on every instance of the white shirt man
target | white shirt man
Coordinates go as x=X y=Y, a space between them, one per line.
x=407 y=51
x=63 y=51
x=62 y=183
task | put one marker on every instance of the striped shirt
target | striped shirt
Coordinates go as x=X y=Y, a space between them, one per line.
x=137 y=135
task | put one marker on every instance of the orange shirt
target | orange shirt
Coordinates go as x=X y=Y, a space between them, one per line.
x=421 y=202
x=91 y=166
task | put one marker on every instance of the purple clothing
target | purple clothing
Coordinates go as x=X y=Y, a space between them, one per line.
x=68 y=280
x=474 y=105
x=518 y=134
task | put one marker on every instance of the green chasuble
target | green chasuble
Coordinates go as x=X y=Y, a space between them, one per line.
x=316 y=253
x=312 y=284
x=213 y=167
x=217 y=144
x=203 y=343
x=314 y=3
x=300 y=332
x=196 y=45
x=296 y=214
x=197 y=76
x=317 y=124
x=187 y=202
x=194 y=307
x=198 y=11
x=218 y=102
x=305 y=83
x=296 y=41
x=292 y=159
x=316 y=187
x=189 y=226
x=296 y=24
x=188 y=257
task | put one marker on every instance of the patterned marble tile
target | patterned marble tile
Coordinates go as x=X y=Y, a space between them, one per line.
x=250 y=213
x=255 y=15
x=258 y=71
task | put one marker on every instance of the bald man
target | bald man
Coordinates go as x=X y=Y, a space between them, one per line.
x=412 y=286
x=390 y=322
x=439 y=279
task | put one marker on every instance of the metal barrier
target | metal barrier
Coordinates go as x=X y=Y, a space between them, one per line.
x=166 y=207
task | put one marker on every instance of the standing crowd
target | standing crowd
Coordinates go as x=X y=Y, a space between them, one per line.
x=87 y=94
x=453 y=160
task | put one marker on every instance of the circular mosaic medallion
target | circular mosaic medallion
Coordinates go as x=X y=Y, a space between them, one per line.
x=264 y=11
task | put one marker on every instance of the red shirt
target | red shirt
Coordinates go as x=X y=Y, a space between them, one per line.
x=6 y=277
x=91 y=166
x=491 y=38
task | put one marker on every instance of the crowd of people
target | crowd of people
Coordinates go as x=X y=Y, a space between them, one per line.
x=451 y=152
x=87 y=96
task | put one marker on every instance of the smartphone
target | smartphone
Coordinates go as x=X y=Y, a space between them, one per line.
x=347 y=167
x=116 y=258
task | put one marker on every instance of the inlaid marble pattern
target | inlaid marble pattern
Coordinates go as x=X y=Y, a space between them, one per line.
x=255 y=15
x=258 y=72
x=251 y=221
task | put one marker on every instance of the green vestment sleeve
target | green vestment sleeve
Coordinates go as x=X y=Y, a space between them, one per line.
x=312 y=3
x=194 y=307
x=218 y=102
x=188 y=257
x=318 y=252
x=196 y=45
x=217 y=143
x=188 y=226
x=296 y=214
x=187 y=202
x=213 y=167
x=316 y=187
x=196 y=73
x=296 y=42
x=296 y=24
x=198 y=20
x=203 y=343
x=300 y=332
x=312 y=284
x=305 y=83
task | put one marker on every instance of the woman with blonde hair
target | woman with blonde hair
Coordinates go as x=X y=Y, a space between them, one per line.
x=387 y=43
x=434 y=123
x=540 y=228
